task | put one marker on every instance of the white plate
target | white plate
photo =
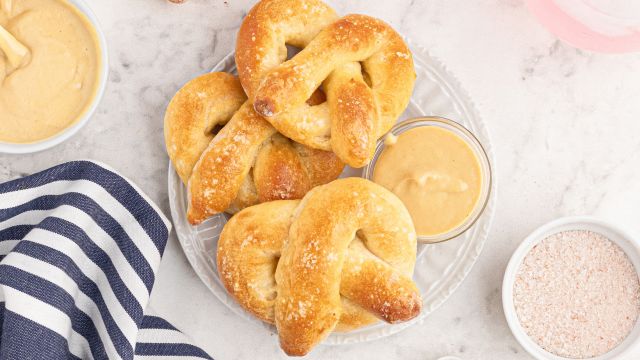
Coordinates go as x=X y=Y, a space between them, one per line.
x=440 y=267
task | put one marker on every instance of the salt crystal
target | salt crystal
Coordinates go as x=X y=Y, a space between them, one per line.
x=577 y=294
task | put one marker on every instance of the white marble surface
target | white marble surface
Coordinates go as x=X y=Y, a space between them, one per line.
x=564 y=124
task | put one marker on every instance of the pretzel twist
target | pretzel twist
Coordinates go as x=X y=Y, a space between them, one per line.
x=339 y=259
x=246 y=162
x=363 y=65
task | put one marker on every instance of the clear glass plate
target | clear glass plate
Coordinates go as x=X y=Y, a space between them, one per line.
x=440 y=268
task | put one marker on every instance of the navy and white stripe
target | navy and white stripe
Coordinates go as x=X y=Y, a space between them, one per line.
x=79 y=250
x=157 y=336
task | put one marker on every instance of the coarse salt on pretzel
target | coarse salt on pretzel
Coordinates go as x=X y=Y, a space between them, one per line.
x=194 y=112
x=269 y=27
x=339 y=259
x=363 y=65
x=246 y=162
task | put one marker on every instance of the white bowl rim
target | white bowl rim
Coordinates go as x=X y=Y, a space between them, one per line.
x=18 y=148
x=630 y=246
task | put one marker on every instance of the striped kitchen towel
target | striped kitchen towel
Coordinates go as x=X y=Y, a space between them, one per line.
x=80 y=247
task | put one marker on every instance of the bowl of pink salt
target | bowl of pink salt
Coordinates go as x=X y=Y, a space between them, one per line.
x=571 y=291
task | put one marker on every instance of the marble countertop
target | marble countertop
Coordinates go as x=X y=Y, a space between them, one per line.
x=564 y=125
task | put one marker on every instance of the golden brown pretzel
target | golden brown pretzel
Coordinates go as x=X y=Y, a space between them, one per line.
x=193 y=114
x=363 y=65
x=342 y=257
x=246 y=162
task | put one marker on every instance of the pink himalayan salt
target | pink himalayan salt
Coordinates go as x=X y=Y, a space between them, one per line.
x=577 y=294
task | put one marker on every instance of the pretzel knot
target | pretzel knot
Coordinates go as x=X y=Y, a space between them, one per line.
x=339 y=259
x=362 y=64
x=246 y=162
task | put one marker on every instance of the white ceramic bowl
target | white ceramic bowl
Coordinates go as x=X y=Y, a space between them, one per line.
x=619 y=237
x=12 y=148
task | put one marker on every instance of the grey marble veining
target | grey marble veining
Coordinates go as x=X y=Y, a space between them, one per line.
x=564 y=125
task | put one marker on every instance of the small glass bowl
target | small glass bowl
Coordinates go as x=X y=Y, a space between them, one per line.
x=476 y=147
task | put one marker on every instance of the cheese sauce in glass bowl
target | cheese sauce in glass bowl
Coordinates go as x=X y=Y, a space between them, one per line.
x=440 y=172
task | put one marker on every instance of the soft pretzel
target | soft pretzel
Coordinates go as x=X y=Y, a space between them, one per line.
x=337 y=260
x=363 y=65
x=271 y=25
x=193 y=114
x=246 y=162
